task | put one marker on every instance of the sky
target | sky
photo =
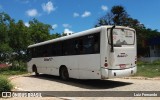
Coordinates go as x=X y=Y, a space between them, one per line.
x=79 y=15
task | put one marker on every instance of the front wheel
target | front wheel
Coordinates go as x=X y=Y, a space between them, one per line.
x=35 y=70
x=64 y=73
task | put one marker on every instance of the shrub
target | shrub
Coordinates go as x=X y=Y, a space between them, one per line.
x=4 y=67
x=156 y=62
x=20 y=66
x=142 y=63
x=5 y=84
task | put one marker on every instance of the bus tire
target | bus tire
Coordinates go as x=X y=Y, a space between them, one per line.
x=34 y=69
x=64 y=75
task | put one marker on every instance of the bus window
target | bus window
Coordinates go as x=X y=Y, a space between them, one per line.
x=97 y=43
x=75 y=46
x=80 y=46
x=88 y=44
x=122 y=37
x=56 y=49
x=92 y=43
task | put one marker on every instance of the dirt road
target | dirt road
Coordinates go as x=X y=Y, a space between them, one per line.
x=52 y=83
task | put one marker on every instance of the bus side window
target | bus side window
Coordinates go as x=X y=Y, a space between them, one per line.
x=80 y=46
x=92 y=43
x=45 y=53
x=34 y=52
x=54 y=49
x=88 y=44
x=65 y=47
x=59 y=49
x=97 y=43
x=76 y=46
x=49 y=48
x=68 y=48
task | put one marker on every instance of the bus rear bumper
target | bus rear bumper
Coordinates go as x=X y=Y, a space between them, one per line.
x=118 y=73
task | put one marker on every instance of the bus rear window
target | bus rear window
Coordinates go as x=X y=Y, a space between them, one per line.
x=122 y=37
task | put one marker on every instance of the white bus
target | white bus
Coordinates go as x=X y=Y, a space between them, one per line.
x=98 y=53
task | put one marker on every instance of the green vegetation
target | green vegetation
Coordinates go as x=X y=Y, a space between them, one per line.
x=146 y=69
x=12 y=72
x=17 y=68
x=15 y=37
x=119 y=16
x=5 y=84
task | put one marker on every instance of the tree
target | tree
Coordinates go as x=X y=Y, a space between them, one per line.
x=15 y=37
x=119 y=16
x=19 y=38
x=39 y=31
x=54 y=36
x=5 y=49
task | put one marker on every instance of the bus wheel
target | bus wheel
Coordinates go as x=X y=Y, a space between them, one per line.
x=64 y=73
x=35 y=70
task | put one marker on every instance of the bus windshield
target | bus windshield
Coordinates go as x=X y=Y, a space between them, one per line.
x=122 y=37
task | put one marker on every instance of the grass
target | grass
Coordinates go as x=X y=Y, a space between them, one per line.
x=12 y=72
x=148 y=69
x=5 y=84
x=17 y=68
x=7 y=71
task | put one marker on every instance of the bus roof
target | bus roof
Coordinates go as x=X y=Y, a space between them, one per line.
x=86 y=32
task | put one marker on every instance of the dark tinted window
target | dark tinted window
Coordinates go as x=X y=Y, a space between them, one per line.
x=89 y=44
x=56 y=49
x=70 y=47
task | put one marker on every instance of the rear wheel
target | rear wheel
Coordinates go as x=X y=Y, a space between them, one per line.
x=35 y=70
x=64 y=73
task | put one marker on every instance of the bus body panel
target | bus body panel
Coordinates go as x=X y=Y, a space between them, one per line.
x=52 y=66
x=89 y=66
x=122 y=58
x=103 y=47
x=79 y=67
x=70 y=62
